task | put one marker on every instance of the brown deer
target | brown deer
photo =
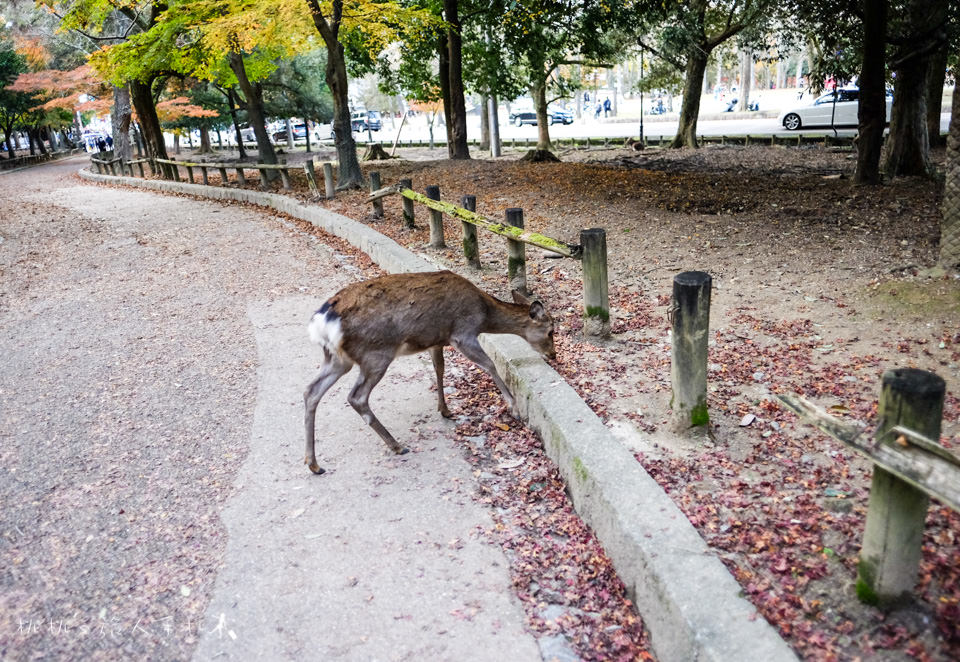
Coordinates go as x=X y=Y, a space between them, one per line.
x=372 y=322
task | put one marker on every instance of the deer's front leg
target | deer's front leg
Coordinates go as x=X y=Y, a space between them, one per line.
x=470 y=347
x=436 y=353
x=370 y=375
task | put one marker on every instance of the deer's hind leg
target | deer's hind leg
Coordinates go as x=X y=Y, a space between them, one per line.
x=371 y=372
x=436 y=353
x=333 y=369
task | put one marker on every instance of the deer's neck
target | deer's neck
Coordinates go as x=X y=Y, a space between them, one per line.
x=505 y=318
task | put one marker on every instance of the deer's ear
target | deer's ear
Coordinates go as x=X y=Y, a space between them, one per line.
x=537 y=311
x=520 y=297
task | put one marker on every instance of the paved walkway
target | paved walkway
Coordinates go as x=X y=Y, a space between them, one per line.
x=155 y=500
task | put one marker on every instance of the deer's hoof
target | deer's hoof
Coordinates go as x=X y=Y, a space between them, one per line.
x=401 y=450
x=446 y=413
x=316 y=468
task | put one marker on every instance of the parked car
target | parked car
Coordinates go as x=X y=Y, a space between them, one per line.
x=820 y=112
x=299 y=133
x=524 y=117
x=362 y=119
x=557 y=116
x=560 y=115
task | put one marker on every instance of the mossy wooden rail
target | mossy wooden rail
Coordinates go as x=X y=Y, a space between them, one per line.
x=909 y=466
x=467 y=216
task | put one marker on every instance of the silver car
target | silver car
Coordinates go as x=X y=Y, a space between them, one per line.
x=824 y=112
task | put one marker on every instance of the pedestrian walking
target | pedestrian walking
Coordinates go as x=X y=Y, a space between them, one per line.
x=606 y=107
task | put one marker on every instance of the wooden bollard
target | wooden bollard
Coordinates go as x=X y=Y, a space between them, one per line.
x=264 y=180
x=329 y=186
x=596 y=302
x=240 y=178
x=176 y=171
x=893 y=536
x=471 y=247
x=688 y=366
x=516 y=253
x=224 y=180
x=189 y=174
x=140 y=168
x=375 y=186
x=203 y=176
x=407 y=205
x=436 y=220
x=285 y=179
x=311 y=174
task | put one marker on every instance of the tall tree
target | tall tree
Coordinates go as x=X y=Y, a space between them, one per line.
x=13 y=105
x=457 y=117
x=685 y=33
x=916 y=36
x=110 y=22
x=872 y=111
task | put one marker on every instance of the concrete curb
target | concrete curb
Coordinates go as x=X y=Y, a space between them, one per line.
x=690 y=603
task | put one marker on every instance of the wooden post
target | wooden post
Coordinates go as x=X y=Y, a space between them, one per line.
x=471 y=249
x=264 y=181
x=240 y=178
x=176 y=171
x=224 y=180
x=890 y=556
x=311 y=174
x=688 y=366
x=407 y=205
x=375 y=186
x=516 y=253
x=596 y=303
x=140 y=168
x=328 y=183
x=436 y=220
x=285 y=179
x=189 y=173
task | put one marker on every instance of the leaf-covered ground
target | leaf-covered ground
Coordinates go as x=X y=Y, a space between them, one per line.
x=818 y=288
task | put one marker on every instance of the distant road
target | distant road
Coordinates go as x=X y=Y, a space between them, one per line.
x=583 y=128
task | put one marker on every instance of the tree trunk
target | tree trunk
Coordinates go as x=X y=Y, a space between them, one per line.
x=872 y=112
x=484 y=123
x=950 y=223
x=142 y=99
x=120 y=120
x=31 y=141
x=205 y=146
x=255 y=113
x=176 y=142
x=746 y=79
x=349 y=174
x=8 y=138
x=443 y=73
x=908 y=149
x=690 y=109
x=231 y=102
x=539 y=95
x=936 y=75
x=457 y=119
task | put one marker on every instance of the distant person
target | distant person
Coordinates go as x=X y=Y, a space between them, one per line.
x=599 y=109
x=109 y=142
x=606 y=107
x=101 y=145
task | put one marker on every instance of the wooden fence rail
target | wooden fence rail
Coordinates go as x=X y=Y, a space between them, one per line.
x=909 y=466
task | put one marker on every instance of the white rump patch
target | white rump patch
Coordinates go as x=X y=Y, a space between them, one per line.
x=324 y=329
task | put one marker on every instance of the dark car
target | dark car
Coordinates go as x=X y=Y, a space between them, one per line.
x=299 y=133
x=365 y=119
x=560 y=116
x=526 y=117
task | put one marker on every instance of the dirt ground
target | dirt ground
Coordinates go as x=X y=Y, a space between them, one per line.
x=818 y=288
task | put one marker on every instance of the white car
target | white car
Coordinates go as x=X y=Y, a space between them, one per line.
x=824 y=112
